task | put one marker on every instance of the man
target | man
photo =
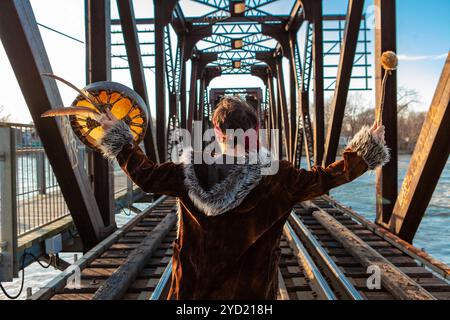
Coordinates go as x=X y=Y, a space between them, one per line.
x=231 y=216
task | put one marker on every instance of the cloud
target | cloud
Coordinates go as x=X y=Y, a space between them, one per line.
x=403 y=57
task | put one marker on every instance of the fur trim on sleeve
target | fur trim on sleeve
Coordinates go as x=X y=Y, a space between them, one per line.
x=374 y=152
x=114 y=139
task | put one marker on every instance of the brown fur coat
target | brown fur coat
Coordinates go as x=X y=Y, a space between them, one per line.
x=229 y=232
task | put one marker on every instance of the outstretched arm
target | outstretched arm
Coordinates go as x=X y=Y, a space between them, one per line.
x=366 y=151
x=117 y=143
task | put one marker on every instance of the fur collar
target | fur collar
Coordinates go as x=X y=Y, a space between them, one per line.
x=231 y=191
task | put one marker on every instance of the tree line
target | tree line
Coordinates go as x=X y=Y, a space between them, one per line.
x=358 y=113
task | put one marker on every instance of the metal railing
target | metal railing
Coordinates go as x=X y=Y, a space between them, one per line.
x=38 y=198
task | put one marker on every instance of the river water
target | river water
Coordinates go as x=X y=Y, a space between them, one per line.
x=433 y=234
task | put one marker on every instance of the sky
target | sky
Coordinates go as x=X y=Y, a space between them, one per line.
x=423 y=41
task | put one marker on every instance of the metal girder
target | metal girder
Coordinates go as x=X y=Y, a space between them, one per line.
x=25 y=49
x=427 y=162
x=304 y=98
x=183 y=101
x=264 y=116
x=271 y=65
x=302 y=131
x=295 y=71
x=179 y=23
x=307 y=128
x=295 y=17
x=204 y=58
x=163 y=10
x=206 y=20
x=98 y=59
x=283 y=107
x=273 y=124
x=160 y=81
x=222 y=43
x=131 y=40
x=334 y=30
x=278 y=32
x=192 y=92
x=216 y=92
x=260 y=72
x=201 y=103
x=194 y=35
x=210 y=73
x=319 y=114
x=173 y=72
x=307 y=58
x=202 y=22
x=269 y=59
x=386 y=177
x=236 y=28
x=354 y=14
x=279 y=121
x=221 y=10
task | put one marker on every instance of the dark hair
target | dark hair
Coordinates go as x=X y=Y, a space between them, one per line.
x=232 y=112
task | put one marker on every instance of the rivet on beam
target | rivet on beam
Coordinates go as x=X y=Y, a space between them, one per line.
x=237 y=43
x=237 y=7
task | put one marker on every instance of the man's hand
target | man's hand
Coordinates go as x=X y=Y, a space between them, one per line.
x=107 y=120
x=377 y=131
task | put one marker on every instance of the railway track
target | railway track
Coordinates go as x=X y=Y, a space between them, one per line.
x=314 y=265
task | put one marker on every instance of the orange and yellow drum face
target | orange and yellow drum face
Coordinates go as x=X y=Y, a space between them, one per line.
x=123 y=102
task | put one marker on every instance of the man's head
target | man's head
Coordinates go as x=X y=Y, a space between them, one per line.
x=234 y=113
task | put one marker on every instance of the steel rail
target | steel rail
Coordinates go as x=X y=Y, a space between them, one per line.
x=424 y=258
x=311 y=270
x=329 y=262
x=305 y=259
x=162 y=283
x=49 y=289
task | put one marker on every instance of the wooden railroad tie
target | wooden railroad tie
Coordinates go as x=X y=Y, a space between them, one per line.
x=398 y=283
x=116 y=285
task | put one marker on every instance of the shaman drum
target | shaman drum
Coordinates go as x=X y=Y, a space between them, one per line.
x=123 y=102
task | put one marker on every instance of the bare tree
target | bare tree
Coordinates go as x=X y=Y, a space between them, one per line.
x=356 y=113
x=4 y=116
x=406 y=97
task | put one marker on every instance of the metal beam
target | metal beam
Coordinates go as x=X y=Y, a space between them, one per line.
x=268 y=58
x=98 y=59
x=279 y=123
x=194 y=35
x=201 y=103
x=295 y=17
x=294 y=89
x=26 y=52
x=162 y=13
x=319 y=127
x=386 y=177
x=204 y=58
x=183 y=101
x=131 y=39
x=272 y=108
x=179 y=21
x=283 y=107
x=210 y=73
x=192 y=93
x=348 y=48
x=202 y=23
x=426 y=165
